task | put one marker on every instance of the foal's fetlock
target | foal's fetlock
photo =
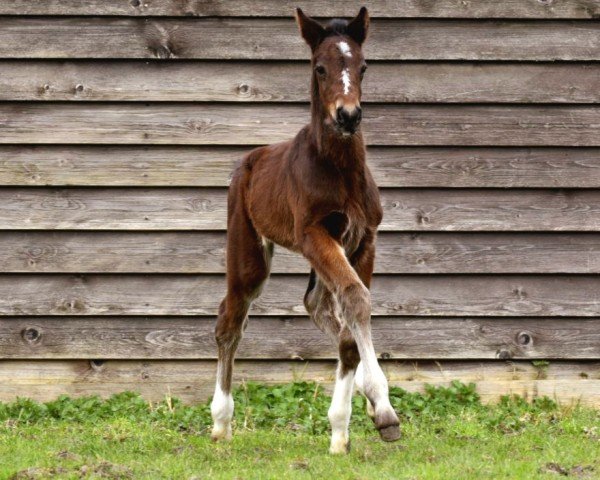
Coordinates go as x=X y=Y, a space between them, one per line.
x=370 y=409
x=388 y=425
x=340 y=445
x=221 y=433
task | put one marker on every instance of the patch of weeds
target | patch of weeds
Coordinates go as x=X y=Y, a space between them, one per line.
x=298 y=407
x=541 y=367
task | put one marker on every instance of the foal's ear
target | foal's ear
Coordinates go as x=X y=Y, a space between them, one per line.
x=359 y=26
x=311 y=30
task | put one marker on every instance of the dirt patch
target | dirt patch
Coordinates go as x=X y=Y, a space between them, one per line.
x=35 y=473
x=581 y=471
x=106 y=470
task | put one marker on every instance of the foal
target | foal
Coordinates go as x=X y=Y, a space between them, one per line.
x=314 y=195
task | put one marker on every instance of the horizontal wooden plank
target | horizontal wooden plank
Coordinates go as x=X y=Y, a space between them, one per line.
x=210 y=124
x=404 y=82
x=193 y=381
x=212 y=166
x=204 y=252
x=205 y=209
x=279 y=338
x=416 y=295
x=276 y=38
x=277 y=8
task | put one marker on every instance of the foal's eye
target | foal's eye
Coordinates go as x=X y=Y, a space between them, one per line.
x=320 y=69
x=363 y=69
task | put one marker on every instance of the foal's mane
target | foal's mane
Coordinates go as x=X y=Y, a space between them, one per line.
x=337 y=26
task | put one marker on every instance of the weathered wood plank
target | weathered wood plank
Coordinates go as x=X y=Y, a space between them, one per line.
x=210 y=124
x=276 y=339
x=90 y=165
x=204 y=253
x=274 y=39
x=416 y=295
x=336 y=8
x=193 y=381
x=288 y=82
x=205 y=209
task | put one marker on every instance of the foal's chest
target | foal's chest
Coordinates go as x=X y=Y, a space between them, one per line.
x=355 y=228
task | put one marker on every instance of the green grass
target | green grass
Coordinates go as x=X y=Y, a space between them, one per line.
x=282 y=432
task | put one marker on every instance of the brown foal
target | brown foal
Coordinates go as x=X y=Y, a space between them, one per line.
x=314 y=195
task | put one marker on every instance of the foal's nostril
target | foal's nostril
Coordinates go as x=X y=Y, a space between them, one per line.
x=358 y=114
x=349 y=119
x=340 y=115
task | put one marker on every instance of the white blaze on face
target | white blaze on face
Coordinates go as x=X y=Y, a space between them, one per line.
x=346 y=81
x=345 y=49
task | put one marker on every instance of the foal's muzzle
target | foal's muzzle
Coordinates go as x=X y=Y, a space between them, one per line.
x=347 y=121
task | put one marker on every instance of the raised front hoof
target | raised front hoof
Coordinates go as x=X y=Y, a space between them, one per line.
x=390 y=433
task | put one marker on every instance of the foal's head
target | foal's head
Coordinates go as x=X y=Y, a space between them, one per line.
x=338 y=68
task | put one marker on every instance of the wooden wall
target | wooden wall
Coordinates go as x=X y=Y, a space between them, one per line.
x=120 y=121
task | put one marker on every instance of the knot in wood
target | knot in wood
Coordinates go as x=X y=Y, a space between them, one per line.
x=78 y=88
x=163 y=52
x=243 y=89
x=524 y=338
x=135 y=3
x=385 y=355
x=31 y=335
x=96 y=364
x=503 y=354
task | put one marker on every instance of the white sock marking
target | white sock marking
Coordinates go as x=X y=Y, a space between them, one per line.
x=346 y=80
x=221 y=409
x=345 y=49
x=340 y=411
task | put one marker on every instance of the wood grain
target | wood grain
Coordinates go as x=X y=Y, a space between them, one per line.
x=276 y=8
x=403 y=295
x=211 y=166
x=283 y=338
x=399 y=82
x=205 y=209
x=278 y=39
x=193 y=381
x=210 y=124
x=204 y=253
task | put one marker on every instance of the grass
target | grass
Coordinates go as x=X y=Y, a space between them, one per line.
x=282 y=432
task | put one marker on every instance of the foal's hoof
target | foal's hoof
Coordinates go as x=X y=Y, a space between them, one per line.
x=340 y=449
x=390 y=433
x=221 y=435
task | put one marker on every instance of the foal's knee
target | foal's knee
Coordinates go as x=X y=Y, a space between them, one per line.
x=355 y=301
x=229 y=329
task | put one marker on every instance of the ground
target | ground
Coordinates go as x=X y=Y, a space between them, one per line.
x=281 y=432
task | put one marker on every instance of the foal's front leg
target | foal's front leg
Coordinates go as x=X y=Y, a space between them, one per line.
x=324 y=310
x=350 y=285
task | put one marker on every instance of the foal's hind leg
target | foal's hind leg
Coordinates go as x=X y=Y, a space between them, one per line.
x=248 y=263
x=324 y=310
